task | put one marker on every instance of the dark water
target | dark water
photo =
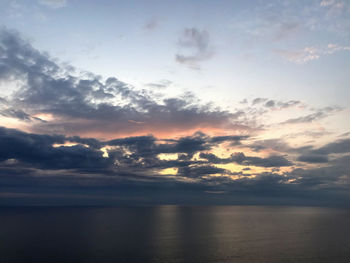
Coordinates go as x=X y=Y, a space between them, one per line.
x=175 y=234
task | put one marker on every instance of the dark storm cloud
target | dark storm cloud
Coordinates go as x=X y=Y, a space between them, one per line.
x=38 y=151
x=340 y=146
x=198 y=171
x=197 y=45
x=145 y=150
x=278 y=145
x=85 y=154
x=334 y=175
x=146 y=145
x=320 y=155
x=312 y=158
x=232 y=139
x=307 y=153
x=271 y=161
x=84 y=102
x=30 y=164
x=242 y=159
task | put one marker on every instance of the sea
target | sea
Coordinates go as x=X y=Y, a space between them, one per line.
x=175 y=234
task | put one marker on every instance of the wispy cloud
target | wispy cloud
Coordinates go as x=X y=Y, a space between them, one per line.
x=315 y=116
x=308 y=54
x=53 y=3
x=151 y=25
x=160 y=84
x=333 y=4
x=275 y=104
x=327 y=2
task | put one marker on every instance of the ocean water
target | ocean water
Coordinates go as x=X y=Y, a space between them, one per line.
x=175 y=234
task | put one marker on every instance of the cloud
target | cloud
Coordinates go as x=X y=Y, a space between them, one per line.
x=235 y=140
x=258 y=101
x=300 y=56
x=53 y=3
x=318 y=115
x=308 y=54
x=162 y=84
x=327 y=2
x=333 y=175
x=278 y=145
x=344 y=134
x=17 y=114
x=281 y=104
x=340 y=146
x=313 y=158
x=196 y=43
x=242 y=159
x=275 y=104
x=39 y=151
x=333 y=5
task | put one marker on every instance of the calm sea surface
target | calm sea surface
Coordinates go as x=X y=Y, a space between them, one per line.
x=175 y=234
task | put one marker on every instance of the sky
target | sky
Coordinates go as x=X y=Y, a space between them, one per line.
x=174 y=102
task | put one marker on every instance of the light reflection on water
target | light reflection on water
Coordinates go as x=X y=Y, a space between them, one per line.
x=175 y=234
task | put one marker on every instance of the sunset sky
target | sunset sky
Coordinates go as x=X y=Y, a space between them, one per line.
x=174 y=102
